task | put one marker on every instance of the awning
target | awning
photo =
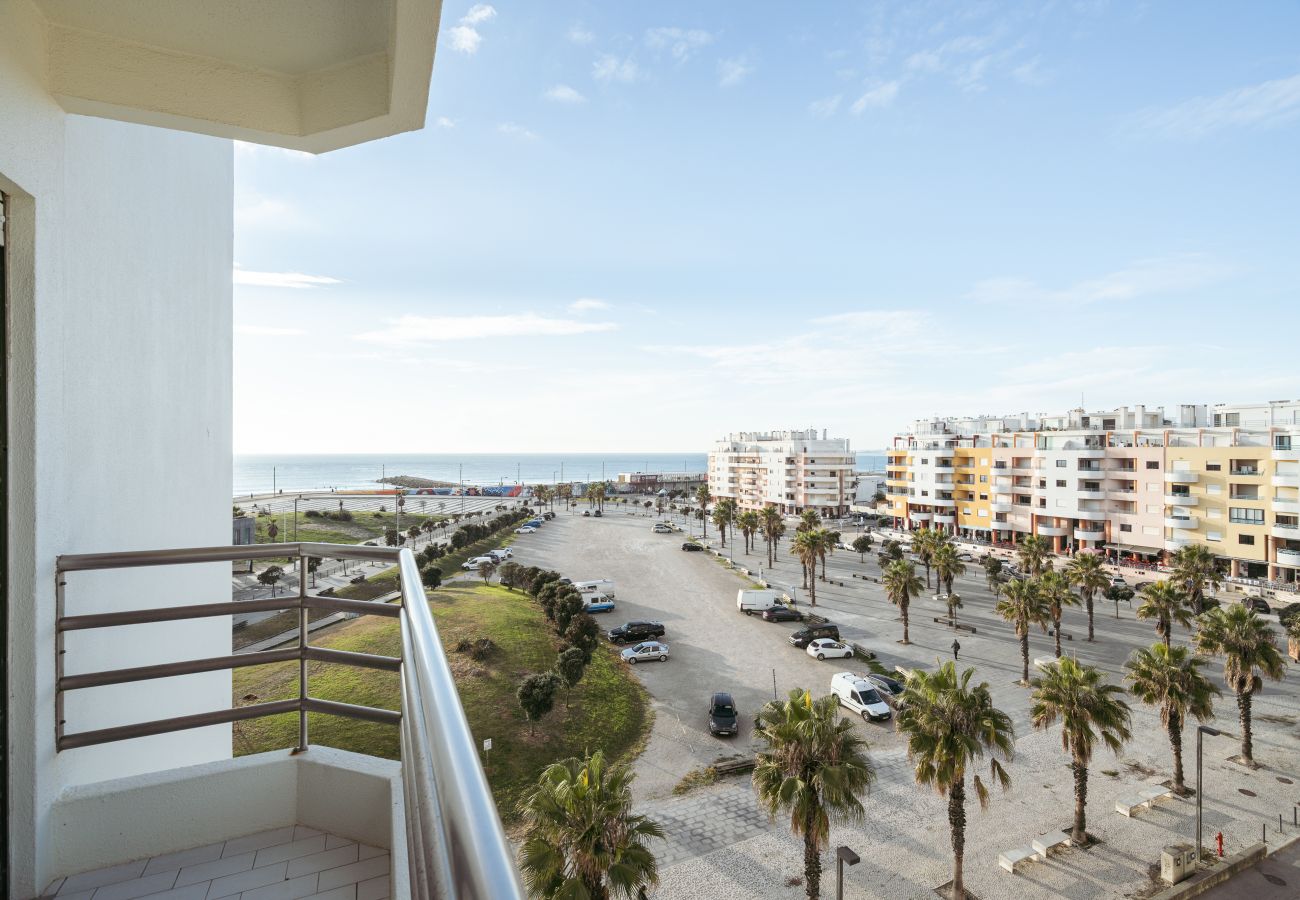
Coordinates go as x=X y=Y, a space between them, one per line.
x=1129 y=548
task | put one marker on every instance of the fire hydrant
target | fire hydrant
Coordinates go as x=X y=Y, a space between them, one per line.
x=1218 y=839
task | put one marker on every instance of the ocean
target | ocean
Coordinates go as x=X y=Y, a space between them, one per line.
x=261 y=473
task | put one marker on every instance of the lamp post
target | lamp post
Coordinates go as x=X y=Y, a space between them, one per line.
x=843 y=855
x=1201 y=730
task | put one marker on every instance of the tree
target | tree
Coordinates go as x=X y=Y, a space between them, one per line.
x=570 y=666
x=993 y=575
x=568 y=603
x=1250 y=654
x=536 y=696
x=1084 y=571
x=1022 y=605
x=1056 y=593
x=583 y=634
x=1170 y=678
x=722 y=516
x=413 y=532
x=809 y=521
x=826 y=541
x=947 y=566
x=807 y=547
x=1033 y=555
x=510 y=573
x=1166 y=603
x=485 y=570
x=313 y=563
x=927 y=541
x=431 y=576
x=581 y=838
x=748 y=522
x=949 y=726
x=270 y=576
x=391 y=537
x=901 y=585
x=815 y=768
x=272 y=531
x=862 y=546
x=703 y=496
x=1089 y=708
x=773 y=527
x=1195 y=570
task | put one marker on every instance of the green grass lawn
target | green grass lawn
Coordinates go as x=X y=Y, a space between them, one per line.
x=608 y=710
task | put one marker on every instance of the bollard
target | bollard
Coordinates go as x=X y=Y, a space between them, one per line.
x=1263 y=837
x=1219 y=838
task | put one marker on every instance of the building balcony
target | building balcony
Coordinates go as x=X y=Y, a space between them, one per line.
x=1286 y=506
x=1183 y=523
x=1173 y=545
x=1089 y=534
x=1288 y=455
x=1245 y=472
x=1090 y=515
x=1288 y=557
x=1025 y=470
x=1001 y=506
x=1086 y=494
x=1022 y=488
x=1052 y=530
x=945 y=518
x=1286 y=481
x=1285 y=532
x=1092 y=473
x=1180 y=500
x=1121 y=494
x=919 y=515
x=1090 y=453
x=943 y=501
x=1182 y=477
x=426 y=826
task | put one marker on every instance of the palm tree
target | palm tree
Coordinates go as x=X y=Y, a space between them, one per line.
x=825 y=546
x=807 y=546
x=1089 y=708
x=1056 y=593
x=581 y=837
x=773 y=528
x=1249 y=651
x=924 y=543
x=1170 y=677
x=1022 y=605
x=901 y=585
x=703 y=496
x=1084 y=571
x=815 y=768
x=947 y=566
x=949 y=725
x=1033 y=555
x=809 y=521
x=1163 y=601
x=720 y=519
x=1195 y=570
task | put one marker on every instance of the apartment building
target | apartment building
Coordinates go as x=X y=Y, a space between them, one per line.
x=116 y=255
x=1130 y=482
x=791 y=470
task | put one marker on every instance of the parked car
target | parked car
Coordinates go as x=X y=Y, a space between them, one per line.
x=548 y=516
x=501 y=554
x=597 y=514
x=782 y=613
x=1118 y=581
x=692 y=546
x=803 y=636
x=860 y=695
x=824 y=647
x=1258 y=605
x=597 y=604
x=474 y=563
x=586 y=513
x=722 y=714
x=887 y=682
x=629 y=632
x=661 y=528
x=646 y=650
x=527 y=529
x=756 y=601
x=966 y=557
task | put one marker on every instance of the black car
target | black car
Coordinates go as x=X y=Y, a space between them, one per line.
x=598 y=514
x=635 y=631
x=890 y=683
x=692 y=545
x=804 y=636
x=782 y=613
x=722 y=714
x=1258 y=605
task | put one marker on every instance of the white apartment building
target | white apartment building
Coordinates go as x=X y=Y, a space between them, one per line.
x=116 y=236
x=791 y=470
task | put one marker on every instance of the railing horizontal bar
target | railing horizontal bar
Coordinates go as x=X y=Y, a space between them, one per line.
x=352 y=711
x=169 y=670
x=179 y=723
x=364 y=607
x=80 y=562
x=350 y=658
x=173 y=613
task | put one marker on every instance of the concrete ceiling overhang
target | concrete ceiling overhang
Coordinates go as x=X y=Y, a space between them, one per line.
x=312 y=75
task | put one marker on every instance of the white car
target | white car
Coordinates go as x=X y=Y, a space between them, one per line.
x=474 y=563
x=501 y=554
x=527 y=529
x=661 y=528
x=860 y=695
x=824 y=647
x=646 y=650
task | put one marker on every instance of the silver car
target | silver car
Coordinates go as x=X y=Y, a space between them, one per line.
x=646 y=650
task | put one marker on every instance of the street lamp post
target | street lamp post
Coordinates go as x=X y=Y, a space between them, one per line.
x=843 y=855
x=1201 y=730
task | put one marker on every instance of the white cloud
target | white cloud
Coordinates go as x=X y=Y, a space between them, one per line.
x=587 y=303
x=465 y=36
x=295 y=280
x=1030 y=73
x=1142 y=278
x=268 y=331
x=1263 y=104
x=562 y=93
x=516 y=131
x=444 y=122
x=732 y=72
x=878 y=97
x=253 y=210
x=426 y=329
x=682 y=43
x=825 y=107
x=610 y=68
x=579 y=35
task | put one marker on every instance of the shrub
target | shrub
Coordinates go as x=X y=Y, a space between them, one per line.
x=567 y=605
x=536 y=695
x=431 y=577
x=583 y=634
x=312 y=514
x=477 y=650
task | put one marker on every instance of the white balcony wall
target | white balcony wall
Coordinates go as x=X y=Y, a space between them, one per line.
x=119 y=257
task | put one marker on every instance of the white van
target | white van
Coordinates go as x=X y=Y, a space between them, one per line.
x=750 y=602
x=860 y=695
x=601 y=587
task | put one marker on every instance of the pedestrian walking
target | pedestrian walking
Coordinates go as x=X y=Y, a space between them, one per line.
x=955 y=647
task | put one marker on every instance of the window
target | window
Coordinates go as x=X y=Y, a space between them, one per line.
x=1150 y=530
x=1060 y=464
x=1153 y=463
x=1231 y=419
x=1247 y=539
x=984 y=479
x=1126 y=528
x=984 y=496
x=1282 y=442
x=1214 y=489
x=1213 y=467
x=1060 y=482
x=1213 y=536
x=1241 y=516
x=984 y=512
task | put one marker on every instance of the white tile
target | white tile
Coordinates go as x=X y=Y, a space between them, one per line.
x=137 y=887
x=189 y=892
x=358 y=871
x=227 y=865
x=172 y=861
x=302 y=831
x=240 y=845
x=328 y=859
x=79 y=895
x=333 y=840
x=347 y=892
x=87 y=880
x=290 y=851
x=244 y=881
x=374 y=889
x=53 y=888
x=368 y=851
x=292 y=889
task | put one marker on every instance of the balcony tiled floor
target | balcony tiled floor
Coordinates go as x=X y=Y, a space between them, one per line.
x=282 y=864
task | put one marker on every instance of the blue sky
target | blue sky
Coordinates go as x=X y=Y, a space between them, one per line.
x=641 y=226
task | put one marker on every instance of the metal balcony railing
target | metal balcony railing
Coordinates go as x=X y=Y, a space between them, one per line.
x=455 y=843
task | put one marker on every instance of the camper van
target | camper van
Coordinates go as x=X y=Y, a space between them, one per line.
x=752 y=602
x=601 y=587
